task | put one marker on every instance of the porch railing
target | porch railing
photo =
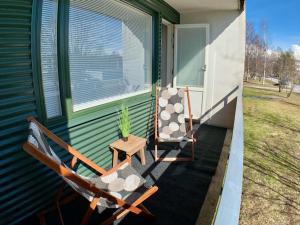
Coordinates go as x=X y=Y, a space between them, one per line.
x=228 y=209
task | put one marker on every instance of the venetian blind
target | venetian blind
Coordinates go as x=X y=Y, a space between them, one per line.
x=49 y=58
x=110 y=52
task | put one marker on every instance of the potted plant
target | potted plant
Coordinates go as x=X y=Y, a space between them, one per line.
x=124 y=122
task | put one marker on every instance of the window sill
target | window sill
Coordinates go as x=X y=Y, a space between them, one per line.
x=109 y=108
x=92 y=104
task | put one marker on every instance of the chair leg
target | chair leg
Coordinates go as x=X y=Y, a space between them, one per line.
x=115 y=217
x=87 y=216
x=123 y=213
x=59 y=194
x=89 y=212
x=42 y=218
x=60 y=214
x=138 y=202
x=145 y=209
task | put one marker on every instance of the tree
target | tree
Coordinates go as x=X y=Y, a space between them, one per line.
x=250 y=39
x=264 y=31
x=261 y=61
x=256 y=49
x=285 y=69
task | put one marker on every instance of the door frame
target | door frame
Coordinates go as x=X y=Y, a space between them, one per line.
x=170 y=51
x=204 y=88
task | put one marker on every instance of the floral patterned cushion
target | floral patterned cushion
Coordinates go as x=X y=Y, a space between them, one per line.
x=171 y=121
x=122 y=184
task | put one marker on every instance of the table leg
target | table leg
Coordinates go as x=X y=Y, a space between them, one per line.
x=129 y=157
x=142 y=156
x=115 y=157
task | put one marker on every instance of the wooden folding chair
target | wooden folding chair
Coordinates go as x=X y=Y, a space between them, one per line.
x=169 y=120
x=90 y=188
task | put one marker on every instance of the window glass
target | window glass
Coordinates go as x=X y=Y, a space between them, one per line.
x=191 y=42
x=49 y=58
x=110 y=52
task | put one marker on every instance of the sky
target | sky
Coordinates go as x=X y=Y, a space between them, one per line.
x=282 y=18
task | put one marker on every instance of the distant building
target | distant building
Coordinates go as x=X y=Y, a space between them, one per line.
x=298 y=70
x=298 y=67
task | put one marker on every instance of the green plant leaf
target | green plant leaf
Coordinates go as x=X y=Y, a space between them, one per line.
x=124 y=121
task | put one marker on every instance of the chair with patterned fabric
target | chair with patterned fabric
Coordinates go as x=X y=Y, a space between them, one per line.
x=169 y=120
x=121 y=187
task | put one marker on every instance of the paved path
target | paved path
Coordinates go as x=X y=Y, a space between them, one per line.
x=296 y=88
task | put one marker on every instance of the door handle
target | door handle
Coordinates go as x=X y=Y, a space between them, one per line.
x=203 y=68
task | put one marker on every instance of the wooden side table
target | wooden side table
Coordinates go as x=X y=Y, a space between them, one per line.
x=133 y=145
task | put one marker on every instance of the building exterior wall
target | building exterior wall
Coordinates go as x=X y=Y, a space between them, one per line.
x=26 y=186
x=225 y=67
x=298 y=70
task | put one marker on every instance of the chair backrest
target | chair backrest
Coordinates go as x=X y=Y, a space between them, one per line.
x=37 y=139
x=170 y=113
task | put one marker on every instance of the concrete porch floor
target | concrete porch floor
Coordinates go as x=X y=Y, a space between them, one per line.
x=182 y=185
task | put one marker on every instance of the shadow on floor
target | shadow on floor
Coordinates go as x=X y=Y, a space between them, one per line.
x=273 y=185
x=182 y=185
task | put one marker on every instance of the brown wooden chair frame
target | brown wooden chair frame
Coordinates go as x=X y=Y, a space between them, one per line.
x=190 y=129
x=136 y=207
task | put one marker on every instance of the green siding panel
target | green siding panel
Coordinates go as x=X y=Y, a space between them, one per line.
x=26 y=186
x=17 y=101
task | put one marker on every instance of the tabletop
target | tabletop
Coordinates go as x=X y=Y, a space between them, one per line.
x=133 y=144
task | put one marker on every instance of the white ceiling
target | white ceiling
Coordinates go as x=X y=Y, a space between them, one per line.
x=198 y=5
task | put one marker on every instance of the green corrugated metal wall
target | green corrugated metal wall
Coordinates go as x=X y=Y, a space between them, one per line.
x=26 y=186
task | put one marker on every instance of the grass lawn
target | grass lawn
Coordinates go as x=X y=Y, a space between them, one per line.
x=271 y=188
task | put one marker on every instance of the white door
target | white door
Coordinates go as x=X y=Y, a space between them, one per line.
x=190 y=63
